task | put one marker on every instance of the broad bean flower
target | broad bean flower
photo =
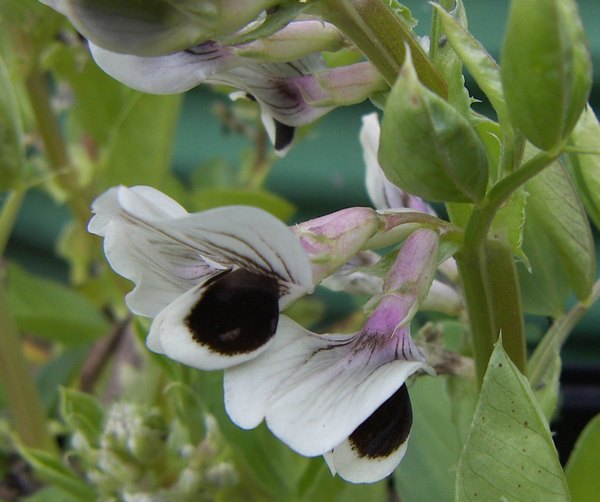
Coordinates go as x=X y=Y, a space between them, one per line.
x=214 y=282
x=343 y=396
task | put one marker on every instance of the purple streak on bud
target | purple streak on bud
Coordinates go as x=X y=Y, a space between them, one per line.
x=332 y=240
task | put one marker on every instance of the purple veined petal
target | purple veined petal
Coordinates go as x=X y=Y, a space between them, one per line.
x=229 y=318
x=165 y=251
x=169 y=74
x=382 y=192
x=378 y=445
x=315 y=390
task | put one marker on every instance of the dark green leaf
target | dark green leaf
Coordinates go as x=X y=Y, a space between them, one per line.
x=584 y=464
x=546 y=69
x=48 y=309
x=509 y=453
x=427 y=147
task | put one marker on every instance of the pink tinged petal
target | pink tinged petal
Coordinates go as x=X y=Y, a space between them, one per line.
x=383 y=193
x=332 y=240
x=378 y=445
x=229 y=318
x=168 y=74
x=315 y=390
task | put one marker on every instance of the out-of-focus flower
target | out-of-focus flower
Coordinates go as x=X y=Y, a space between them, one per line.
x=344 y=396
x=214 y=281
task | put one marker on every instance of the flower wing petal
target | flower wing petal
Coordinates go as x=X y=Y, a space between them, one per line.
x=315 y=390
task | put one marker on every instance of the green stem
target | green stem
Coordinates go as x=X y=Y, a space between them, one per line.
x=25 y=405
x=481 y=219
x=556 y=336
x=486 y=290
x=8 y=216
x=382 y=37
x=471 y=265
x=56 y=150
x=505 y=296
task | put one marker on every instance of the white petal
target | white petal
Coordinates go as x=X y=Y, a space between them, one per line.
x=169 y=74
x=315 y=390
x=152 y=241
x=344 y=462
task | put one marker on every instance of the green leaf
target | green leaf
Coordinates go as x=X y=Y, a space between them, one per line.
x=139 y=149
x=543 y=370
x=12 y=156
x=274 y=204
x=543 y=280
x=509 y=222
x=427 y=147
x=50 y=468
x=509 y=453
x=83 y=413
x=584 y=464
x=586 y=168
x=546 y=69
x=477 y=60
x=433 y=447
x=558 y=209
x=445 y=58
x=48 y=309
x=50 y=494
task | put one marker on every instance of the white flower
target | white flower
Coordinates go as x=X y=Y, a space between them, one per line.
x=214 y=281
x=343 y=396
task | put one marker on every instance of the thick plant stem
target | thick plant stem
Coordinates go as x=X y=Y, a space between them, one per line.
x=27 y=411
x=486 y=290
x=10 y=210
x=382 y=37
x=505 y=297
x=471 y=265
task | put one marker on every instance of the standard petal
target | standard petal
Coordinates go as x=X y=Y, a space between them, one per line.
x=229 y=318
x=152 y=241
x=168 y=74
x=315 y=390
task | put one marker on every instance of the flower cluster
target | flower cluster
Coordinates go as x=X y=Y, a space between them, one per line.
x=166 y=49
x=215 y=283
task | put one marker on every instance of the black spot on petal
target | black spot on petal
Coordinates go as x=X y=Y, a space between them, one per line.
x=284 y=135
x=237 y=313
x=386 y=429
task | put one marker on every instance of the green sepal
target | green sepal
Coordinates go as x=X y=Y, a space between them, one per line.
x=428 y=148
x=509 y=453
x=546 y=69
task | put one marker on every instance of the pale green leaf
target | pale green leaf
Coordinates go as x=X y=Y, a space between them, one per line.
x=427 y=147
x=433 y=447
x=83 y=413
x=555 y=203
x=49 y=309
x=509 y=453
x=543 y=370
x=476 y=59
x=584 y=464
x=586 y=167
x=51 y=468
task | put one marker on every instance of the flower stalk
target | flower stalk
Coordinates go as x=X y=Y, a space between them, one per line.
x=382 y=37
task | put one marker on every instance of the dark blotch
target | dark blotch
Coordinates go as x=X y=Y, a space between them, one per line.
x=386 y=429
x=237 y=314
x=284 y=135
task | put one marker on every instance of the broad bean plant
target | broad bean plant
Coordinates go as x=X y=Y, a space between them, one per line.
x=189 y=355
